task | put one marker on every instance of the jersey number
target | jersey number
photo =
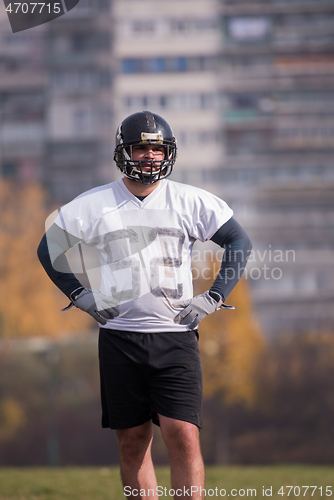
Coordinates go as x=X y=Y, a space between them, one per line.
x=121 y=245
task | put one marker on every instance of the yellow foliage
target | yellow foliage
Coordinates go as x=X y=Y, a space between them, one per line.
x=231 y=343
x=30 y=303
x=11 y=418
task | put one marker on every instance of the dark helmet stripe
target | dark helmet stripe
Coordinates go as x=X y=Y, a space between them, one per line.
x=150 y=122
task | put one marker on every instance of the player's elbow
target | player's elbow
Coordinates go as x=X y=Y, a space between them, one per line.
x=42 y=249
x=248 y=244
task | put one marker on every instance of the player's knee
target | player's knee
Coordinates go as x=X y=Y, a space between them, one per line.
x=183 y=436
x=133 y=442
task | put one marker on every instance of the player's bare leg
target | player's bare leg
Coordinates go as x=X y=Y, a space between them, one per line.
x=187 y=468
x=137 y=470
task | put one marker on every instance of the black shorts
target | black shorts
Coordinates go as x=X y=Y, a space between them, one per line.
x=143 y=374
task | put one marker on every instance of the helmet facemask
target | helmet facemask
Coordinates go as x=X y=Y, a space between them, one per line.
x=138 y=170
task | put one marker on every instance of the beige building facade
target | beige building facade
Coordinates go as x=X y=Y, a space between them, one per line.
x=166 y=56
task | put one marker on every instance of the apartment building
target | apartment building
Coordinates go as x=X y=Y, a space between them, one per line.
x=277 y=84
x=56 y=101
x=23 y=81
x=166 y=56
x=79 y=110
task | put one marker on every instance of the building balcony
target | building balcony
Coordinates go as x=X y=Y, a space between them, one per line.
x=23 y=80
x=240 y=7
x=72 y=59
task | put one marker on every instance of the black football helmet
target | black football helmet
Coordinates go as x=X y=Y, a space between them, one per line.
x=144 y=128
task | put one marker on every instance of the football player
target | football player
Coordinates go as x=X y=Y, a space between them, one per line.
x=143 y=227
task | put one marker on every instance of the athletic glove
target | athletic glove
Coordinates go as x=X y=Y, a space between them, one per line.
x=99 y=306
x=197 y=308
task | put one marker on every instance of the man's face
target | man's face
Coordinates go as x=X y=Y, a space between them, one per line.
x=148 y=153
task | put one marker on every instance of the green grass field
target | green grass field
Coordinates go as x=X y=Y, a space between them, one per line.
x=74 y=483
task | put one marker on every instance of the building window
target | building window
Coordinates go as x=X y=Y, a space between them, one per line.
x=247 y=29
x=22 y=132
x=168 y=26
x=131 y=66
x=168 y=64
x=142 y=26
x=73 y=80
x=247 y=141
x=92 y=6
x=105 y=78
x=176 y=64
x=173 y=101
x=81 y=42
x=22 y=105
x=155 y=65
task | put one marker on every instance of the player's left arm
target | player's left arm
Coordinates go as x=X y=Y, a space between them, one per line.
x=234 y=239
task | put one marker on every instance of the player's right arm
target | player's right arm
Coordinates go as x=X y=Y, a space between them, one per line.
x=52 y=255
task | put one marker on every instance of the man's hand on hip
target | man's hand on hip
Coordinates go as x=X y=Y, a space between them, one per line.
x=99 y=306
x=197 y=308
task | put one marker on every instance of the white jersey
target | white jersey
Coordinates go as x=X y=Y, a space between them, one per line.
x=145 y=246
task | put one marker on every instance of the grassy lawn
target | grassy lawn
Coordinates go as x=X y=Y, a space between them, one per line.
x=76 y=483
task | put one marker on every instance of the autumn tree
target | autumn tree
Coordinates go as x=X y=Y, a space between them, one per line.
x=30 y=304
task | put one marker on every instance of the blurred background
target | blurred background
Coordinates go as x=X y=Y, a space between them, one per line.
x=248 y=88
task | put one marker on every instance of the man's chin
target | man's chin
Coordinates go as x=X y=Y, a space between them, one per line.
x=147 y=180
